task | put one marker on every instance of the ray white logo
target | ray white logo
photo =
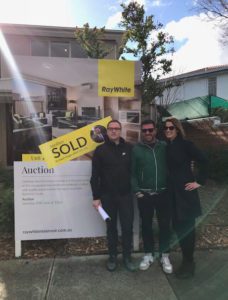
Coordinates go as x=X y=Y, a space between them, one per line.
x=116 y=89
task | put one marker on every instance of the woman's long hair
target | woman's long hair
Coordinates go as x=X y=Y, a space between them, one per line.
x=178 y=126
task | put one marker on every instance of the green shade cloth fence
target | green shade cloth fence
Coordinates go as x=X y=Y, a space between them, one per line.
x=199 y=107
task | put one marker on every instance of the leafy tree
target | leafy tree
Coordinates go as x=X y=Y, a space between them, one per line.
x=216 y=10
x=91 y=41
x=144 y=40
x=150 y=45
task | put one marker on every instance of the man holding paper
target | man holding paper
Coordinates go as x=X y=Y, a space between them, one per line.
x=111 y=187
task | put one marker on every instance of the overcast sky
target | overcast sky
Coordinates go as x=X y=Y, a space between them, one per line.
x=196 y=40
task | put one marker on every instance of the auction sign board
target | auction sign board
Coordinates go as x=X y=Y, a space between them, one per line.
x=60 y=112
x=54 y=203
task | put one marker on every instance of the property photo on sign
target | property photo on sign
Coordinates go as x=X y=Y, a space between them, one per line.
x=57 y=96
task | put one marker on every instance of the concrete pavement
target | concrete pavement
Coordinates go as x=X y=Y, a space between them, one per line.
x=83 y=278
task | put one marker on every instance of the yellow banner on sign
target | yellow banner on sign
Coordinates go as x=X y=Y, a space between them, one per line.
x=32 y=157
x=116 y=78
x=74 y=144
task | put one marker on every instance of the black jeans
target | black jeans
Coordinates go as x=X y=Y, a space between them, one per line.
x=185 y=231
x=148 y=205
x=121 y=205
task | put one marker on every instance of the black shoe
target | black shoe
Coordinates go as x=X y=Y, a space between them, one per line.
x=112 y=263
x=186 y=270
x=129 y=265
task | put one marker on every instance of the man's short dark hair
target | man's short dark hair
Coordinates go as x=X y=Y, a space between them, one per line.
x=114 y=121
x=146 y=122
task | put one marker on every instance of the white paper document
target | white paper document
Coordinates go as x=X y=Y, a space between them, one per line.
x=103 y=213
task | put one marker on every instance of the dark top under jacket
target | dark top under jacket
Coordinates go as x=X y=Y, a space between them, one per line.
x=111 y=169
x=180 y=153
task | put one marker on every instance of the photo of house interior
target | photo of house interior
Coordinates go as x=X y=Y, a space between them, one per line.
x=57 y=99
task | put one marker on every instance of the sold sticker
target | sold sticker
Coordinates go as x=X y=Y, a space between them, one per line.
x=74 y=144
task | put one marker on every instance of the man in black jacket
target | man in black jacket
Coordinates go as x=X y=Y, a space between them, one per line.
x=111 y=187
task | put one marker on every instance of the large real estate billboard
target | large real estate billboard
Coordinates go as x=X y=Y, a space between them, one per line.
x=51 y=98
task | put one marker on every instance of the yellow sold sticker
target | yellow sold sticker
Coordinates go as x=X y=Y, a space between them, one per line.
x=116 y=78
x=74 y=144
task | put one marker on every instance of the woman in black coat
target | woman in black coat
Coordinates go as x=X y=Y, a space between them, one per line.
x=182 y=187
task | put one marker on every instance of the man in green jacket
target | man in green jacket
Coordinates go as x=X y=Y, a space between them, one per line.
x=149 y=176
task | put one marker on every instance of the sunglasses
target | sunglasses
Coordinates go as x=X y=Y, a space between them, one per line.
x=169 y=127
x=148 y=129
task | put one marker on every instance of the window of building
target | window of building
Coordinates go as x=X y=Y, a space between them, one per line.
x=19 y=45
x=39 y=48
x=56 y=98
x=60 y=49
x=77 y=51
x=212 y=86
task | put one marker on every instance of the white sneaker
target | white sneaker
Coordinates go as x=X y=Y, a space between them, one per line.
x=146 y=261
x=166 y=265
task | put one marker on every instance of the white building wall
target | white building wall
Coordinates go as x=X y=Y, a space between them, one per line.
x=88 y=98
x=171 y=95
x=192 y=88
x=222 y=86
x=195 y=88
x=187 y=90
x=5 y=84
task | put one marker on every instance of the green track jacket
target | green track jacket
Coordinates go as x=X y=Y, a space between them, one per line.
x=149 y=167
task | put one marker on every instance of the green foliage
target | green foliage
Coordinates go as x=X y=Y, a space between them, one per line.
x=148 y=43
x=6 y=211
x=6 y=201
x=6 y=178
x=90 y=39
x=218 y=165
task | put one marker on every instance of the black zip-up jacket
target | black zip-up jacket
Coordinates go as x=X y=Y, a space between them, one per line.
x=111 y=169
